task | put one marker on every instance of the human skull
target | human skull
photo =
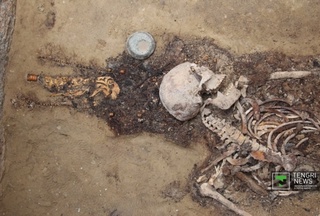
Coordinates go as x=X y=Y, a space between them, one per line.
x=180 y=88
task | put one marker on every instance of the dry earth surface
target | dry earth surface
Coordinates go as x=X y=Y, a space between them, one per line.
x=67 y=161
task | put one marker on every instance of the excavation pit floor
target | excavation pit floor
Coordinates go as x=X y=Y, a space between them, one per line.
x=70 y=156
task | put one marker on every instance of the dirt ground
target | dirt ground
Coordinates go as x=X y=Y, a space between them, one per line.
x=67 y=160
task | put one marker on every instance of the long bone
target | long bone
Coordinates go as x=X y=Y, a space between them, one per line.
x=232 y=149
x=274 y=100
x=255 y=111
x=275 y=110
x=208 y=191
x=283 y=151
x=301 y=141
x=284 y=126
x=259 y=121
x=291 y=74
x=251 y=112
x=287 y=132
x=251 y=184
x=316 y=124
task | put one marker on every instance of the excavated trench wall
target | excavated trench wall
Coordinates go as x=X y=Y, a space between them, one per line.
x=7 y=18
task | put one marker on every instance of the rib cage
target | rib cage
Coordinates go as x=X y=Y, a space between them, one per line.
x=229 y=134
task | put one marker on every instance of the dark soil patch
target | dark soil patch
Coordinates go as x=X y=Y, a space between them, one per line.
x=138 y=107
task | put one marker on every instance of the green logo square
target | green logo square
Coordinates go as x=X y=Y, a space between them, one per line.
x=280 y=181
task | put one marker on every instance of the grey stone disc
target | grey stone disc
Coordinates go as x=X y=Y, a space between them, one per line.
x=140 y=45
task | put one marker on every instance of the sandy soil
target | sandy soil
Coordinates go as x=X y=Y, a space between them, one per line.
x=63 y=162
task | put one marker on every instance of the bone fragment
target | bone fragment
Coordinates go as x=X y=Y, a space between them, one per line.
x=237 y=161
x=202 y=179
x=227 y=99
x=275 y=194
x=251 y=184
x=291 y=74
x=202 y=74
x=244 y=128
x=214 y=82
x=242 y=81
x=208 y=191
x=229 y=152
x=217 y=180
x=206 y=77
x=301 y=141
